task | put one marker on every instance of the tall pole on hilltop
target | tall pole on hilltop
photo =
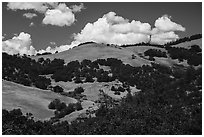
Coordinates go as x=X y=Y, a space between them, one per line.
x=150 y=36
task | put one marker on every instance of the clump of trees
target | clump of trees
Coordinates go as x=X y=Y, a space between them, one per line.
x=75 y=94
x=61 y=109
x=58 y=89
x=155 y=53
x=90 y=42
x=117 y=90
x=142 y=44
x=167 y=109
x=23 y=70
x=45 y=53
x=78 y=90
x=192 y=55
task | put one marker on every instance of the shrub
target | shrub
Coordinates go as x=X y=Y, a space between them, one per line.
x=117 y=92
x=58 y=89
x=78 y=90
x=113 y=88
x=121 y=89
x=78 y=106
x=54 y=104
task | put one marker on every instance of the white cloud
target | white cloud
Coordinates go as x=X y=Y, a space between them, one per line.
x=55 y=13
x=77 y=8
x=164 y=30
x=164 y=37
x=113 y=29
x=37 y=6
x=165 y=24
x=113 y=19
x=60 y=16
x=21 y=44
x=29 y=15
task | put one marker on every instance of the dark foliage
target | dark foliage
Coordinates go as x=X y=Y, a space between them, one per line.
x=61 y=109
x=58 y=89
x=78 y=90
x=24 y=70
x=155 y=53
x=91 y=42
x=142 y=44
x=45 y=53
x=167 y=109
x=192 y=55
x=120 y=89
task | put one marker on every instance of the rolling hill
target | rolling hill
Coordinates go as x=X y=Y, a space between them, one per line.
x=93 y=51
x=144 y=79
x=30 y=99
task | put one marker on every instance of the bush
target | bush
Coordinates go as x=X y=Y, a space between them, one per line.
x=77 y=80
x=155 y=53
x=58 y=89
x=117 y=92
x=54 y=104
x=78 y=90
x=78 y=106
x=113 y=88
x=89 y=78
x=121 y=89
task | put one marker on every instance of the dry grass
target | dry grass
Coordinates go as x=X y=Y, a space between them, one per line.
x=30 y=99
x=190 y=43
x=96 y=51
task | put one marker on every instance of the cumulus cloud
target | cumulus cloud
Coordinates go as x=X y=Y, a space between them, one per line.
x=21 y=44
x=77 y=8
x=29 y=15
x=37 y=6
x=60 y=16
x=165 y=24
x=113 y=19
x=164 y=30
x=113 y=29
x=164 y=37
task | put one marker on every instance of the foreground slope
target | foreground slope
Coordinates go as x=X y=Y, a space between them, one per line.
x=30 y=99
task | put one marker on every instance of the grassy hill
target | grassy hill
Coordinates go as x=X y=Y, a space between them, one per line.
x=30 y=99
x=157 y=99
x=95 y=51
x=190 y=43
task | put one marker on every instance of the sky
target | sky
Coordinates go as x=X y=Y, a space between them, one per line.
x=30 y=28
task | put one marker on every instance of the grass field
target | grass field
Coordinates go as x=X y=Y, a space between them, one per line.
x=30 y=99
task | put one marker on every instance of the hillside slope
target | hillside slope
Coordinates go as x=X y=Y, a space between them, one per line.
x=30 y=99
x=96 y=51
x=190 y=43
x=93 y=51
